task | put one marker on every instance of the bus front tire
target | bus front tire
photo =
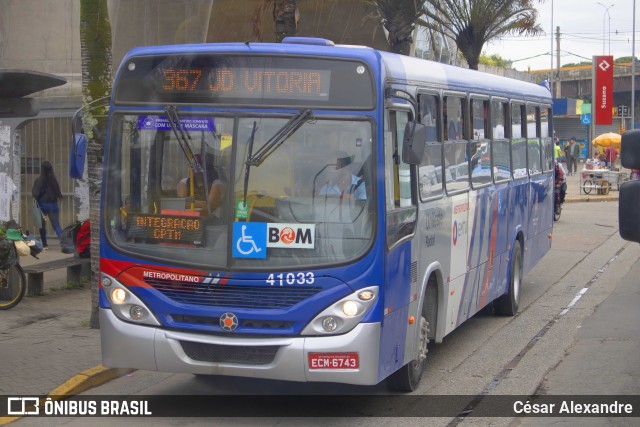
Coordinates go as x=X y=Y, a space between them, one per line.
x=507 y=304
x=407 y=378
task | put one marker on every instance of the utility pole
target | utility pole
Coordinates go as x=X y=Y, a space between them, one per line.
x=551 y=54
x=558 y=61
x=633 y=70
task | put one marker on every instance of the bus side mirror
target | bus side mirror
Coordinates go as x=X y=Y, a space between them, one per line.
x=77 y=155
x=629 y=211
x=415 y=134
x=630 y=149
x=629 y=200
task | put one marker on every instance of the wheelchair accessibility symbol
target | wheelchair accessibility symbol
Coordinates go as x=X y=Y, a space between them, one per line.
x=250 y=240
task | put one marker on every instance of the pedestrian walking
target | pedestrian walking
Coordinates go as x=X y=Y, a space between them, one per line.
x=611 y=154
x=573 y=153
x=46 y=191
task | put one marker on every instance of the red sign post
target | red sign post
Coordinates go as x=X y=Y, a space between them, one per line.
x=603 y=89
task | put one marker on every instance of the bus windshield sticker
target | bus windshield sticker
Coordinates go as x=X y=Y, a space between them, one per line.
x=251 y=239
x=188 y=123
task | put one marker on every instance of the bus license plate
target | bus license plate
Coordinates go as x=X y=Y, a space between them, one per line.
x=333 y=361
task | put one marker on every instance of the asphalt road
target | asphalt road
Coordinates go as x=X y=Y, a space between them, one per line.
x=576 y=334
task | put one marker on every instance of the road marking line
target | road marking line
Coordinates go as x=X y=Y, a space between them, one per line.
x=574 y=301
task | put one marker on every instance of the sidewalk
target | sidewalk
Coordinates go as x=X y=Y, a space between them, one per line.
x=47 y=347
x=46 y=344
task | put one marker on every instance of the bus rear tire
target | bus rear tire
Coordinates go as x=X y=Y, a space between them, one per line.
x=507 y=304
x=407 y=378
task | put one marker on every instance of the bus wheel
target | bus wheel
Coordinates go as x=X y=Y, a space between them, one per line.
x=507 y=304
x=408 y=377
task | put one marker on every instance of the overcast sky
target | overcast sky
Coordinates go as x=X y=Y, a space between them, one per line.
x=581 y=31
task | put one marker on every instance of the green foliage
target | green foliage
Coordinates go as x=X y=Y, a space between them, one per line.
x=399 y=18
x=471 y=23
x=576 y=64
x=494 y=60
x=624 y=60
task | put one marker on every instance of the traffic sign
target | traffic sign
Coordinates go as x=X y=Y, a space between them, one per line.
x=585 y=119
x=623 y=111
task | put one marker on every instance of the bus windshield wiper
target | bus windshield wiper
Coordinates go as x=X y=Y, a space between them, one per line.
x=183 y=137
x=248 y=162
x=278 y=138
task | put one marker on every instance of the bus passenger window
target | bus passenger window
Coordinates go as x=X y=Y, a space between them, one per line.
x=429 y=115
x=479 y=153
x=518 y=142
x=430 y=170
x=533 y=143
x=547 y=141
x=501 y=149
x=455 y=148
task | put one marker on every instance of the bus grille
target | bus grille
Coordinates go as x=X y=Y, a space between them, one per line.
x=234 y=296
x=240 y=355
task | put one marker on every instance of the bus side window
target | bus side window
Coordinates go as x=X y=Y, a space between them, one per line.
x=401 y=210
x=547 y=140
x=479 y=153
x=455 y=147
x=518 y=141
x=533 y=140
x=501 y=150
x=430 y=170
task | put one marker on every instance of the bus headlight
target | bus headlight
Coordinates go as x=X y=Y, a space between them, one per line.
x=118 y=296
x=125 y=304
x=350 y=308
x=343 y=315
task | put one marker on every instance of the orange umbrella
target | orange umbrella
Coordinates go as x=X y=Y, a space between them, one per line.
x=607 y=140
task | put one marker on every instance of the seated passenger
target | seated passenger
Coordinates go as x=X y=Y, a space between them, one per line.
x=216 y=191
x=343 y=182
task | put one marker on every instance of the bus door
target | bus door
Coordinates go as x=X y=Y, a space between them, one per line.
x=401 y=278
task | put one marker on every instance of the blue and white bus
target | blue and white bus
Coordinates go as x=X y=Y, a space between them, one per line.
x=312 y=212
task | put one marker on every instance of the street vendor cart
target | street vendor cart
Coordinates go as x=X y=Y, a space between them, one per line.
x=595 y=178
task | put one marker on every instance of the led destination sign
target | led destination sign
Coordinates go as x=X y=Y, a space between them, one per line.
x=245 y=80
x=165 y=228
x=272 y=83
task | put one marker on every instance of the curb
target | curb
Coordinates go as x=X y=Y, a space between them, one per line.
x=595 y=198
x=83 y=381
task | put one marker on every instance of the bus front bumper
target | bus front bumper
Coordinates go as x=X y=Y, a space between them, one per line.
x=127 y=345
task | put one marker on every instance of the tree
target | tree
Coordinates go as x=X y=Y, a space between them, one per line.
x=399 y=18
x=472 y=23
x=95 y=49
x=285 y=17
x=494 y=60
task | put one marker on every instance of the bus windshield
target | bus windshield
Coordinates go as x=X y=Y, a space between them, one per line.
x=187 y=196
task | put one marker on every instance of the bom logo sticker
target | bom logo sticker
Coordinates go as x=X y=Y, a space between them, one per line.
x=299 y=236
x=287 y=235
x=459 y=230
x=455 y=232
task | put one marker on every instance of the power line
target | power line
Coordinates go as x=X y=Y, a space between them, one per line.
x=524 y=59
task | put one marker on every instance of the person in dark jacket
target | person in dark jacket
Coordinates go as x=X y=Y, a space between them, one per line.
x=46 y=191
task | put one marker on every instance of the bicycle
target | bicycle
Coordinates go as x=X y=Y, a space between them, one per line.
x=13 y=286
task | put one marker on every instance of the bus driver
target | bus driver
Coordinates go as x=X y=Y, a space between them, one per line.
x=344 y=183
